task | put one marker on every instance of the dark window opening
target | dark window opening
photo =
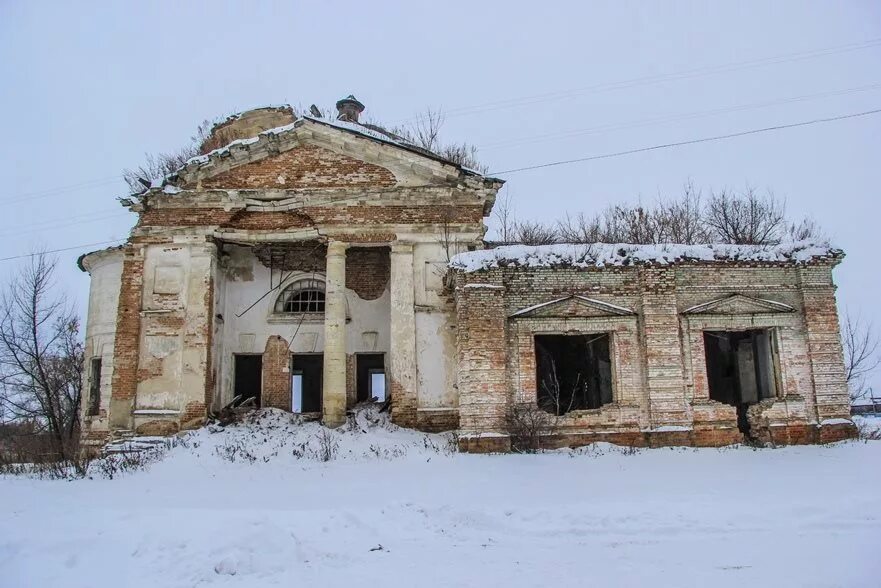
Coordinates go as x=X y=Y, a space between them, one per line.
x=740 y=369
x=573 y=372
x=370 y=376
x=248 y=380
x=302 y=296
x=306 y=373
x=95 y=387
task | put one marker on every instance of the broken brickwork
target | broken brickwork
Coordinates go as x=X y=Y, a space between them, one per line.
x=655 y=318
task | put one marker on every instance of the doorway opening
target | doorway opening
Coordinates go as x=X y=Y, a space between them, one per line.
x=370 y=377
x=306 y=382
x=573 y=372
x=740 y=369
x=248 y=380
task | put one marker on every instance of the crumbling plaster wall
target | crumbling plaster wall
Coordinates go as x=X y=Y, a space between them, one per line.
x=173 y=367
x=105 y=270
x=437 y=381
x=245 y=280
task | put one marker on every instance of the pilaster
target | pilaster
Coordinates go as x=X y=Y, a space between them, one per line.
x=402 y=355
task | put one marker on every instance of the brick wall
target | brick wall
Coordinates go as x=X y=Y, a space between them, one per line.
x=276 y=374
x=482 y=353
x=305 y=166
x=659 y=367
x=309 y=216
x=367 y=271
x=126 y=346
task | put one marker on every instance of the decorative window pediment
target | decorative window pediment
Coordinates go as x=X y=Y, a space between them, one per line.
x=573 y=305
x=739 y=304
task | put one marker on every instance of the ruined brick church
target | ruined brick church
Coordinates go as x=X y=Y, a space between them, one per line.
x=311 y=263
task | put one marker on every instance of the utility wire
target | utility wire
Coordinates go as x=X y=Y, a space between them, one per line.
x=28 y=196
x=527 y=100
x=655 y=79
x=557 y=163
x=689 y=142
x=673 y=118
x=62 y=249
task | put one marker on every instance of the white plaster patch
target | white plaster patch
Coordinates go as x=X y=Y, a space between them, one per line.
x=161 y=346
x=167 y=279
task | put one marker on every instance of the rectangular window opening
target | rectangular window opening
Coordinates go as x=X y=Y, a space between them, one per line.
x=573 y=372
x=307 y=370
x=740 y=368
x=95 y=387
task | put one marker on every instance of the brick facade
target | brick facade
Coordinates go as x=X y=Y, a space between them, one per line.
x=656 y=324
x=368 y=270
x=371 y=218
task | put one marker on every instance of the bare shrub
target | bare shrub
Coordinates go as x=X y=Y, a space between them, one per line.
x=117 y=464
x=867 y=431
x=328 y=445
x=535 y=233
x=527 y=423
x=235 y=450
x=387 y=453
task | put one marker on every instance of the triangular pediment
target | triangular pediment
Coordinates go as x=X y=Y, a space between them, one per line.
x=313 y=155
x=739 y=304
x=572 y=305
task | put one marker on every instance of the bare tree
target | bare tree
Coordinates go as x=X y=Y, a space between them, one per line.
x=861 y=354
x=206 y=138
x=680 y=221
x=503 y=211
x=41 y=356
x=747 y=218
x=424 y=132
x=806 y=230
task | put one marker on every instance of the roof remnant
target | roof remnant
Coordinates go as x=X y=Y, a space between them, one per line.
x=624 y=254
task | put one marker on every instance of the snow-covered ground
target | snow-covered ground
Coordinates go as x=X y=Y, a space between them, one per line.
x=253 y=505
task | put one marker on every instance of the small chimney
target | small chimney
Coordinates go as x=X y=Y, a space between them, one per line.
x=349 y=108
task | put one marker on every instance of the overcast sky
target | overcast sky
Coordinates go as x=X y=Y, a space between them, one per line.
x=86 y=88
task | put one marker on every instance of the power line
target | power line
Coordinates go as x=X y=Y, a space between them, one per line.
x=85 y=185
x=60 y=224
x=655 y=79
x=556 y=163
x=689 y=142
x=674 y=118
x=62 y=249
x=536 y=98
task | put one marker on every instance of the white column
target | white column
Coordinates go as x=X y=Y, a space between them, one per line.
x=402 y=356
x=334 y=380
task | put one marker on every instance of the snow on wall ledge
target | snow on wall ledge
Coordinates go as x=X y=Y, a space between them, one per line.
x=623 y=254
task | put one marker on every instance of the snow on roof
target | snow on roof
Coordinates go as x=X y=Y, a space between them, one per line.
x=623 y=254
x=367 y=131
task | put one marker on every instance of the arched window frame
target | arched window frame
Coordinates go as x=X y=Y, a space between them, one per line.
x=302 y=296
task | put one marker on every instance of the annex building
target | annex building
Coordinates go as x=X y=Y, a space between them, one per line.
x=310 y=264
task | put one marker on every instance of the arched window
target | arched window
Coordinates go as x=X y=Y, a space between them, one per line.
x=301 y=296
